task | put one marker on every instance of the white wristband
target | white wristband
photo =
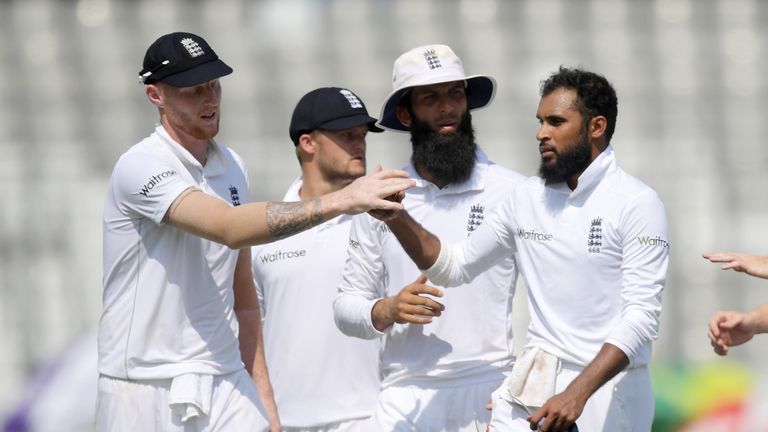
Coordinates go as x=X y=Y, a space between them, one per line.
x=440 y=271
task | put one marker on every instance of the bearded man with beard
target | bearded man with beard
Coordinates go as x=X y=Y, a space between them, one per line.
x=440 y=360
x=592 y=244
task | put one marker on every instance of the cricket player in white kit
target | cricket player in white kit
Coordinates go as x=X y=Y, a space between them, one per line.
x=324 y=381
x=440 y=361
x=180 y=345
x=592 y=244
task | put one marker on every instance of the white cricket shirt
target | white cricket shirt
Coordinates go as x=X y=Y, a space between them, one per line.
x=472 y=341
x=319 y=375
x=594 y=259
x=168 y=295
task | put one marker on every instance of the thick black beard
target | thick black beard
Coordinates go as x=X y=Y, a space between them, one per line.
x=449 y=158
x=569 y=162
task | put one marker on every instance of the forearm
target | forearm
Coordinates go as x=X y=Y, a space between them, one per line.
x=248 y=224
x=421 y=245
x=252 y=352
x=759 y=319
x=352 y=315
x=608 y=362
x=248 y=313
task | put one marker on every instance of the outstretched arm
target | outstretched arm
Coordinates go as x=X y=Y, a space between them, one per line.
x=421 y=245
x=258 y=223
x=727 y=329
x=753 y=265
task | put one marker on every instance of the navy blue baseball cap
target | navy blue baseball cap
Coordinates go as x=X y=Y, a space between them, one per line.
x=329 y=108
x=181 y=60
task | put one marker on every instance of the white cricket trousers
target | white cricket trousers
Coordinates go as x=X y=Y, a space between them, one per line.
x=623 y=404
x=130 y=406
x=418 y=409
x=356 y=425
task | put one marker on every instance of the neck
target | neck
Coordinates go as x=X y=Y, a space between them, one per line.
x=315 y=186
x=195 y=146
x=597 y=149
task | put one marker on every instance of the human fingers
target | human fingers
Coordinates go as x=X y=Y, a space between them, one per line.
x=536 y=419
x=391 y=186
x=421 y=309
x=714 y=325
x=390 y=173
x=733 y=265
x=419 y=287
x=383 y=215
x=423 y=302
x=719 y=347
x=718 y=256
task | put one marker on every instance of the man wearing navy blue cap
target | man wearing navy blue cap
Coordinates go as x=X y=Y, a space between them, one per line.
x=324 y=381
x=180 y=345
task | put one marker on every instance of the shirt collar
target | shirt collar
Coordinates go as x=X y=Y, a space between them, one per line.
x=216 y=162
x=591 y=177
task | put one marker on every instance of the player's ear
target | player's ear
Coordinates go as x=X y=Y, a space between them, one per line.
x=403 y=115
x=597 y=127
x=154 y=94
x=307 y=143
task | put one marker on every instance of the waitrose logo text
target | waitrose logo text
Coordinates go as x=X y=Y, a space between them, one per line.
x=533 y=235
x=154 y=180
x=653 y=241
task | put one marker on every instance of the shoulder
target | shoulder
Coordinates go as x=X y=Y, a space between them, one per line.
x=634 y=197
x=629 y=186
x=142 y=157
x=497 y=175
x=232 y=156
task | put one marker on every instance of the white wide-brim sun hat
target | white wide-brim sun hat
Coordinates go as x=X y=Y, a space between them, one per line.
x=432 y=64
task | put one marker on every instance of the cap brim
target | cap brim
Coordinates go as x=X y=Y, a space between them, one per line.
x=198 y=75
x=481 y=89
x=351 y=122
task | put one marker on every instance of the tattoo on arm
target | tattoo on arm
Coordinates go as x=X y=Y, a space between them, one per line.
x=285 y=219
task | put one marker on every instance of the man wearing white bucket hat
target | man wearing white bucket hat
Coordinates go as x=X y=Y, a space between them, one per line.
x=440 y=360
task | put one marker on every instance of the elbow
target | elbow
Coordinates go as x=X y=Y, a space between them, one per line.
x=234 y=238
x=345 y=322
x=338 y=316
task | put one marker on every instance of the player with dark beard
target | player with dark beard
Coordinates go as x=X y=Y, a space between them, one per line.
x=437 y=375
x=449 y=157
x=570 y=161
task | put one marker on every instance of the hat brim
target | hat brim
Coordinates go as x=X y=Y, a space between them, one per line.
x=198 y=75
x=481 y=89
x=351 y=122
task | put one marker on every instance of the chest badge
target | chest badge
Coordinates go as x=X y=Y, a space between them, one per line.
x=595 y=237
x=233 y=196
x=476 y=215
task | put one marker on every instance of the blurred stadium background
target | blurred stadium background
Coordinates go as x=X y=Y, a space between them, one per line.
x=690 y=75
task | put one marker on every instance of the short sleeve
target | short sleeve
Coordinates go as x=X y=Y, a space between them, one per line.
x=146 y=185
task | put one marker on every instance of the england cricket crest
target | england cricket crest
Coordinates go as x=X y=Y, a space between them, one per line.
x=595 y=236
x=233 y=196
x=476 y=215
x=432 y=60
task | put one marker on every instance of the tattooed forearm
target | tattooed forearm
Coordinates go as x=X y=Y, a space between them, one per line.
x=285 y=219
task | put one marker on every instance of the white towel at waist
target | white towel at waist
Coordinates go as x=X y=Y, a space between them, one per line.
x=532 y=380
x=190 y=396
